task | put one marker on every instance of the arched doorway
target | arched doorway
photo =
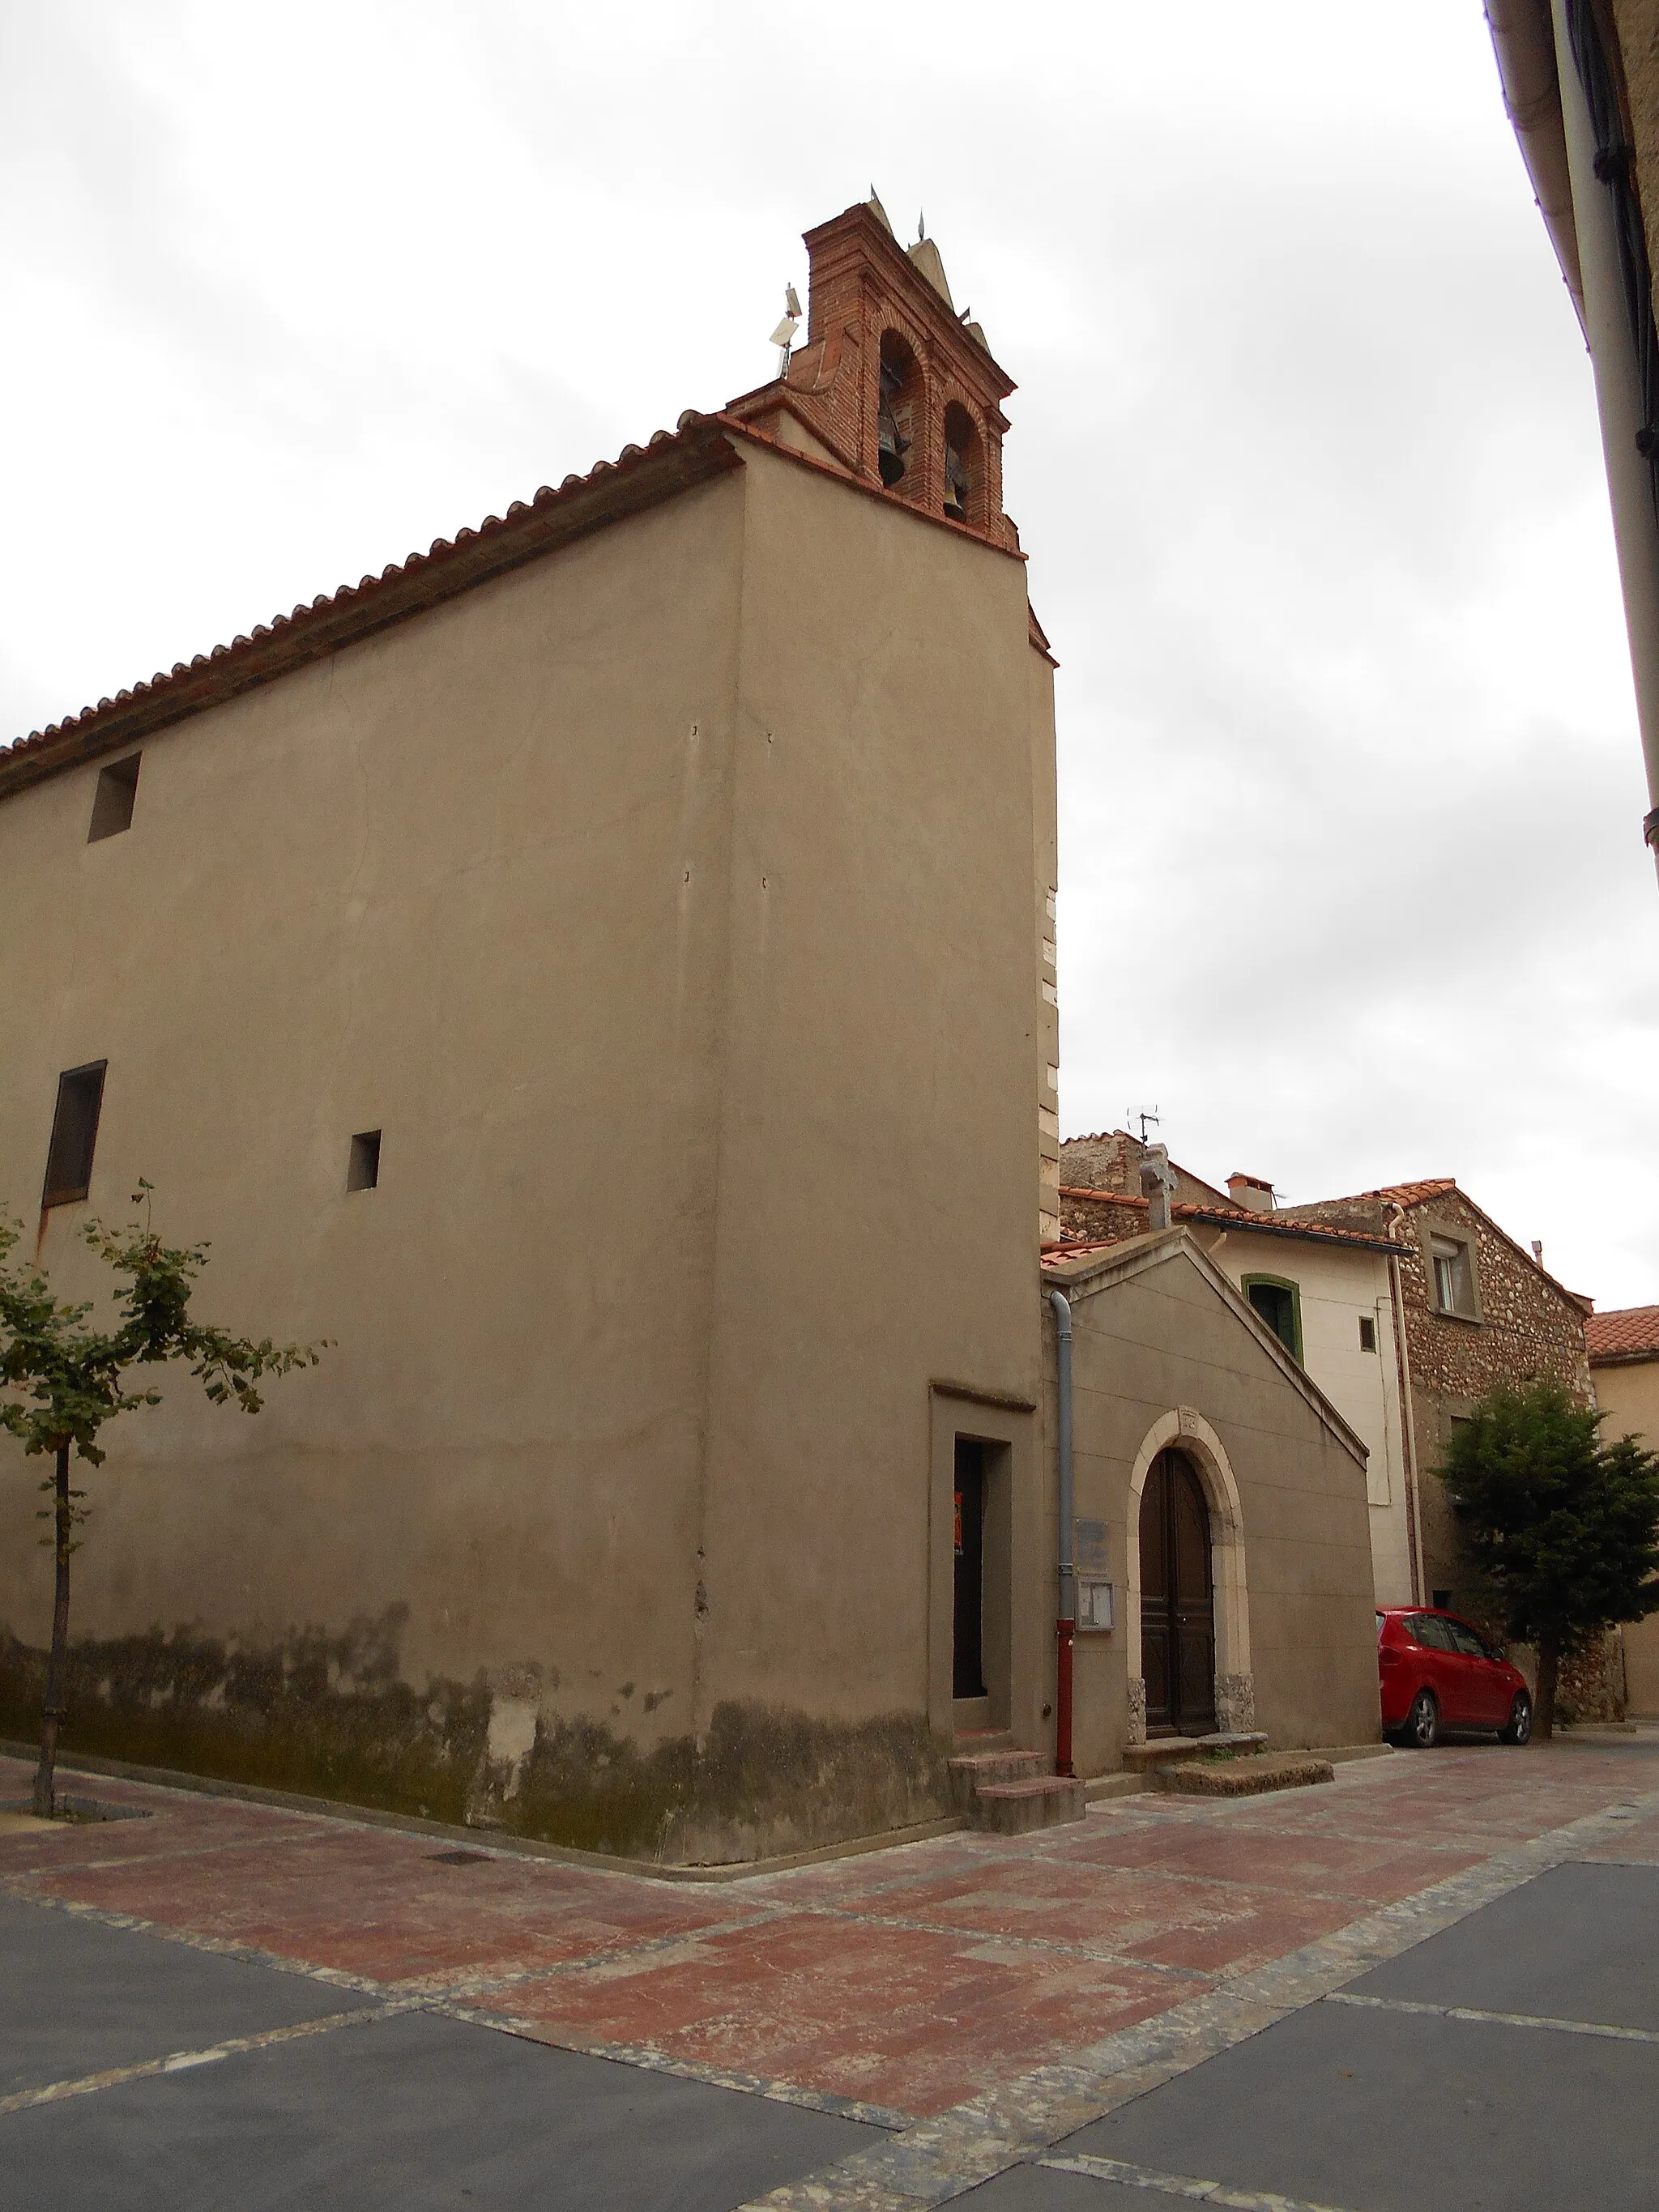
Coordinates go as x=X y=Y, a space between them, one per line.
x=1177 y=1600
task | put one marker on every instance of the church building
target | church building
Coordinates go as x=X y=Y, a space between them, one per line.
x=600 y=975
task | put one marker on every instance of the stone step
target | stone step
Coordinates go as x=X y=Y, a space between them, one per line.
x=976 y=1770
x=1250 y=1776
x=1016 y=1809
x=1169 y=1750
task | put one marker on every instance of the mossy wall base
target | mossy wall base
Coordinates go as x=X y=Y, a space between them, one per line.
x=330 y=1716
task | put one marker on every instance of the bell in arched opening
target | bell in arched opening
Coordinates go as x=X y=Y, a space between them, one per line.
x=896 y=412
x=961 y=462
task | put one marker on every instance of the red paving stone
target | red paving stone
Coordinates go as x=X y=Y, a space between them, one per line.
x=911 y=1977
x=1297 y=1861
x=897 y=2016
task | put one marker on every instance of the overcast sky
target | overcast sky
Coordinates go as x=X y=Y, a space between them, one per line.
x=1304 y=455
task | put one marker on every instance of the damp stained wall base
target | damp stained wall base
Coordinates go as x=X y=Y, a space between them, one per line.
x=331 y=1716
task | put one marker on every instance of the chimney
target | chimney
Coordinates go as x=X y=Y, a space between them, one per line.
x=1250 y=1191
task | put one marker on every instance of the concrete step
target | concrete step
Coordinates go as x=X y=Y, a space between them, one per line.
x=1016 y=1809
x=1169 y=1750
x=977 y=1770
x=969 y=1741
x=1244 y=1778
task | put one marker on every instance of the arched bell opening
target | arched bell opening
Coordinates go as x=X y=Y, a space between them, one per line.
x=964 y=466
x=899 y=414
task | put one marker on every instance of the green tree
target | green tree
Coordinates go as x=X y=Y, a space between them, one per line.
x=1564 y=1526
x=62 y=1380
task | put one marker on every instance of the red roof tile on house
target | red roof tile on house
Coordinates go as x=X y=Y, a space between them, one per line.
x=1242 y=1217
x=1627 y=1332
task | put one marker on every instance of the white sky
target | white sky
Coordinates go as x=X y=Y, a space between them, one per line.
x=1304 y=455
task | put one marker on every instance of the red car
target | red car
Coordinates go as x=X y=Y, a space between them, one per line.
x=1437 y=1674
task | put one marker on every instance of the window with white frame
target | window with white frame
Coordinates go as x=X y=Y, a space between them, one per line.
x=1452 y=1262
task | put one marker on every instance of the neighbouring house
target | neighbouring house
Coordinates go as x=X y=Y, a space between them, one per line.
x=1481 y=1313
x=1581 y=83
x=1329 y=1293
x=1622 y=1344
x=601 y=974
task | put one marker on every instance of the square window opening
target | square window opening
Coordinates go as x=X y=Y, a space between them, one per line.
x=363 y=1170
x=74 y=1134
x=112 y=802
x=1367 y=1333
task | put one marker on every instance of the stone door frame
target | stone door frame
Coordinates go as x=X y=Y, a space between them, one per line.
x=1186 y=1431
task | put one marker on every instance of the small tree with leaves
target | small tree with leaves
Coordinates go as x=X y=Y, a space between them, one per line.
x=62 y=1380
x=1564 y=1526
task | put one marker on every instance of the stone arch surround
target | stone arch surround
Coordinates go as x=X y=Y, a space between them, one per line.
x=1235 y=1685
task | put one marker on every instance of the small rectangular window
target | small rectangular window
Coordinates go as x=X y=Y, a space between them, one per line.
x=364 y=1170
x=1280 y=1306
x=1367 y=1333
x=1454 y=1276
x=112 y=803
x=74 y=1134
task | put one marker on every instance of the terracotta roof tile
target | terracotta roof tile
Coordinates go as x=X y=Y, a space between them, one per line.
x=1625 y=1332
x=697 y=448
x=1241 y=1218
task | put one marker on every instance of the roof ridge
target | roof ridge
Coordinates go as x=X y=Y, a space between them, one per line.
x=442 y=553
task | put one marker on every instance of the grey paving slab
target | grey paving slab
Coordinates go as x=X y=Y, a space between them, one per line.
x=1383 y=2111
x=77 y=1997
x=1580 y=1943
x=415 y=2112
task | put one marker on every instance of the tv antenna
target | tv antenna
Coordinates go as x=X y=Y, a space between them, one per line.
x=1144 y=1117
x=784 y=337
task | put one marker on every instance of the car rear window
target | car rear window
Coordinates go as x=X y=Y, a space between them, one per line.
x=1434 y=1634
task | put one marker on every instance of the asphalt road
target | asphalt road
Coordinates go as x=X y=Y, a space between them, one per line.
x=1508 y=2065
x=1510 y=2061
x=399 y=2108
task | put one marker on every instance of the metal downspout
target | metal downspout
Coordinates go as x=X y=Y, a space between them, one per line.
x=1065 y=1620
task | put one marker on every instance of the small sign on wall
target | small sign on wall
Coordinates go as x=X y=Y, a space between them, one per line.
x=1094 y=1603
x=1090 y=1546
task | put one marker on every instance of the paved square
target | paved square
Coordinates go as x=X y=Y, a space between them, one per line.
x=1388 y=1991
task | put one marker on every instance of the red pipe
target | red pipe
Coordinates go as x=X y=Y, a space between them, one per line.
x=1066 y=1632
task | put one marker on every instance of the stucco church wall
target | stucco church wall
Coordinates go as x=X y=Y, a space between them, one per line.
x=465 y=884
x=667 y=906
x=1145 y=1346
x=877 y=1128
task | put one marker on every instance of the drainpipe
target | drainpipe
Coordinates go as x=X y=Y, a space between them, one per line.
x=1065 y=1622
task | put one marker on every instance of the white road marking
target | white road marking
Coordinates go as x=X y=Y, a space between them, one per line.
x=1496 y=2019
x=1182 y=2185
x=176 y=2062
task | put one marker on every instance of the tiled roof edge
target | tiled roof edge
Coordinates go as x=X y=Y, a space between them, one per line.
x=640 y=477
x=1242 y=1217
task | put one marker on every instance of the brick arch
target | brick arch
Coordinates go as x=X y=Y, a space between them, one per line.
x=924 y=462
x=1235 y=1691
x=962 y=431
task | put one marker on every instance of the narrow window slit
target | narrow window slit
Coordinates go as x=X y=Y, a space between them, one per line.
x=74 y=1134
x=113 y=801
x=363 y=1171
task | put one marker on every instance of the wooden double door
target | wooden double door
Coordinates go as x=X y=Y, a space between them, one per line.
x=1177 y=1600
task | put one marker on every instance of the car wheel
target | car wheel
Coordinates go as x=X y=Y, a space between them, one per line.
x=1518 y=1728
x=1423 y=1721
